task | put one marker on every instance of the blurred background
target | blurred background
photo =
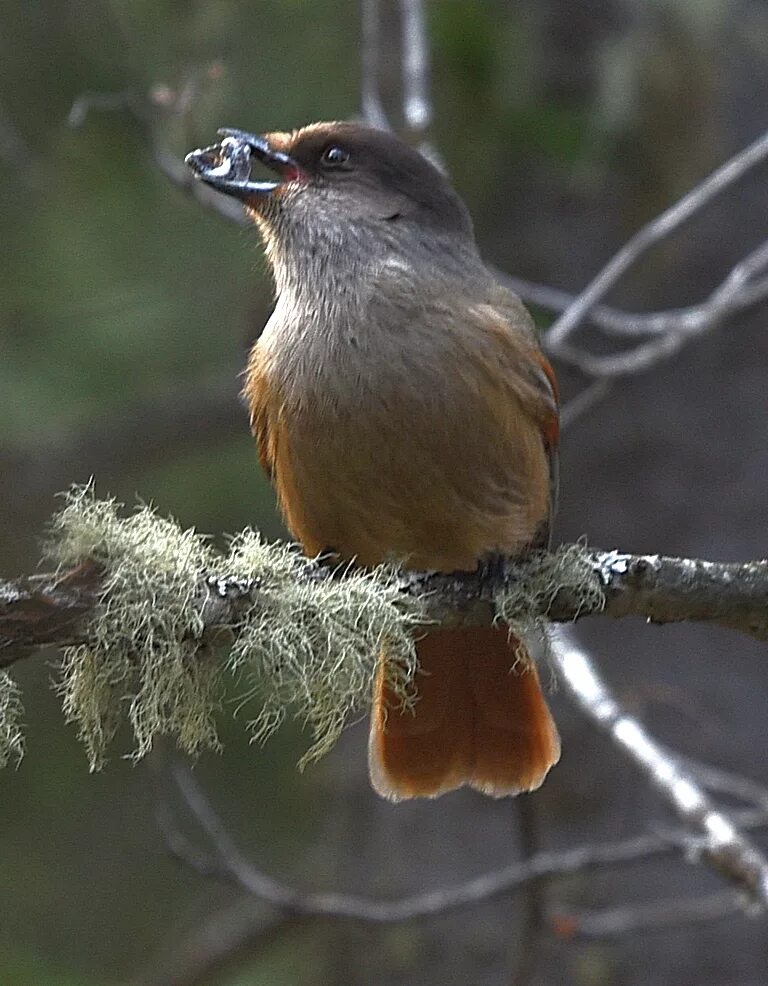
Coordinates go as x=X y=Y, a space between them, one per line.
x=126 y=313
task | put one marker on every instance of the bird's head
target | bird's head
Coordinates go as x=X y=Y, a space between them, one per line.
x=337 y=187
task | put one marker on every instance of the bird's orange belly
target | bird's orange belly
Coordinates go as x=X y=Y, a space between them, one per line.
x=375 y=499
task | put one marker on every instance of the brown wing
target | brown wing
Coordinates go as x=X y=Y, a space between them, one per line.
x=259 y=399
x=551 y=435
x=535 y=380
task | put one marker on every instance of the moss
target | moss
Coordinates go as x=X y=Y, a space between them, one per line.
x=11 y=711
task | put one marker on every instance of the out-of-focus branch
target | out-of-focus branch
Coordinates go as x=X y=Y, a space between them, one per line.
x=670 y=331
x=652 y=233
x=689 y=321
x=745 y=285
x=224 y=861
x=726 y=782
x=594 y=393
x=53 y=608
x=659 y=915
x=719 y=842
x=417 y=105
x=172 y=167
x=371 y=107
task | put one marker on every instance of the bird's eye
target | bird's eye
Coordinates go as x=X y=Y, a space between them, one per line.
x=334 y=157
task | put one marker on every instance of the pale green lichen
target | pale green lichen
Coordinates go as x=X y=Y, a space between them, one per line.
x=143 y=654
x=314 y=645
x=534 y=586
x=308 y=646
x=11 y=711
x=306 y=642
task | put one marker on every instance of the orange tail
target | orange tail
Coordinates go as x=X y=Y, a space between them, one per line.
x=480 y=719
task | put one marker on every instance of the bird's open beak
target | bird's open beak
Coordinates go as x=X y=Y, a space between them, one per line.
x=227 y=166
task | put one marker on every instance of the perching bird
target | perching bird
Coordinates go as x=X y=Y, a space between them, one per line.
x=404 y=411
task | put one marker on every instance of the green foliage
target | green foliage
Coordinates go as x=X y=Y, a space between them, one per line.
x=308 y=644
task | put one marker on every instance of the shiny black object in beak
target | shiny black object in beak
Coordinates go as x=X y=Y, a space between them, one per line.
x=227 y=166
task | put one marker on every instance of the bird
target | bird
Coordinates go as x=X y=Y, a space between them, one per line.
x=404 y=411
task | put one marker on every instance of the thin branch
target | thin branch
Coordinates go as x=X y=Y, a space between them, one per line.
x=417 y=106
x=532 y=906
x=168 y=164
x=54 y=608
x=658 y=915
x=224 y=862
x=727 y=782
x=652 y=233
x=617 y=322
x=739 y=289
x=720 y=843
x=371 y=107
x=594 y=393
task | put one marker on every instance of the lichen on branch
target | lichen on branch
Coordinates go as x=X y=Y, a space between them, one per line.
x=142 y=654
x=310 y=646
x=11 y=711
x=154 y=622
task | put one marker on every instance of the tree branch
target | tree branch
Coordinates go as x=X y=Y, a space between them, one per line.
x=658 y=915
x=224 y=861
x=53 y=608
x=220 y=943
x=417 y=106
x=719 y=843
x=371 y=106
x=655 y=231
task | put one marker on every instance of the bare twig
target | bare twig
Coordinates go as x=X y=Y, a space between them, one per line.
x=652 y=233
x=594 y=393
x=224 y=861
x=172 y=167
x=688 y=321
x=105 y=102
x=671 y=333
x=417 y=106
x=54 y=608
x=727 y=782
x=658 y=915
x=719 y=842
x=371 y=108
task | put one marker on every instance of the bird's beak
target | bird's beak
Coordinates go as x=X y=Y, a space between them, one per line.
x=227 y=166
